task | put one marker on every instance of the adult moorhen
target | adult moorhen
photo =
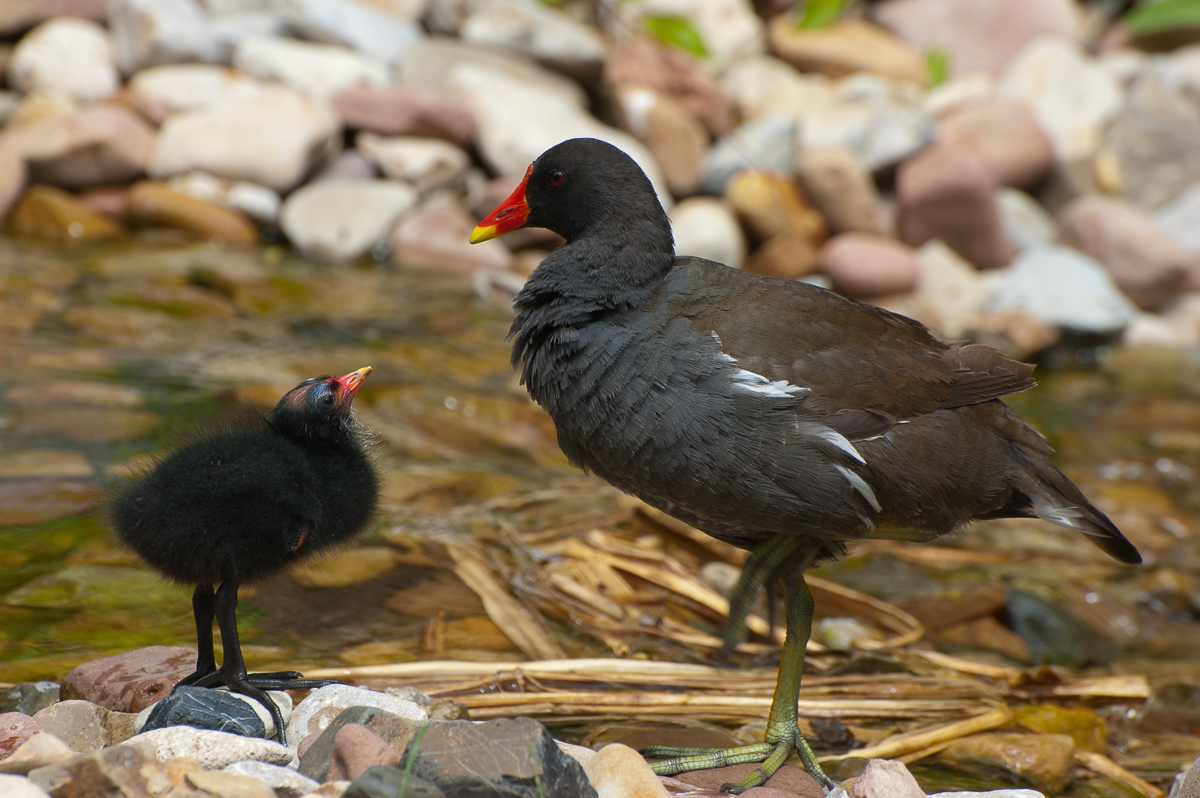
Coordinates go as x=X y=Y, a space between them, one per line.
x=774 y=415
x=235 y=507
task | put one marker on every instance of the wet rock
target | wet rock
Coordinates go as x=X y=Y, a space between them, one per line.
x=151 y=32
x=1146 y=264
x=132 y=681
x=767 y=142
x=1053 y=635
x=318 y=710
x=729 y=30
x=428 y=600
x=865 y=266
x=85 y=726
x=361 y=26
x=788 y=779
x=48 y=212
x=67 y=56
x=383 y=782
x=979 y=35
x=73 y=392
x=258 y=202
x=1062 y=287
x=427 y=163
x=1006 y=136
x=99 y=424
x=341 y=220
x=399 y=110
x=845 y=47
x=545 y=33
x=32 y=502
x=1070 y=94
x=19 y=15
x=283 y=781
x=271 y=139
x=15 y=729
x=156 y=204
x=1181 y=218
x=643 y=62
x=988 y=634
x=435 y=238
x=515 y=758
x=1026 y=222
x=946 y=193
x=375 y=736
x=29 y=697
x=205 y=708
x=1041 y=759
x=704 y=227
x=881 y=121
x=1155 y=140
x=771 y=204
x=346 y=567
x=618 y=771
x=1088 y=729
x=38 y=751
x=161 y=91
x=843 y=191
x=676 y=137
x=212 y=749
x=119 y=770
x=317 y=70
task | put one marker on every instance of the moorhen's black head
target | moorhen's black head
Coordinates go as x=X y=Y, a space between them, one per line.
x=578 y=187
x=319 y=409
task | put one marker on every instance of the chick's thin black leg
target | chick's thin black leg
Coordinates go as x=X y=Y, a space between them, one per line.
x=203 y=609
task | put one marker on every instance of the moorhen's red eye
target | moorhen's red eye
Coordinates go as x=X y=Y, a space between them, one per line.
x=557 y=178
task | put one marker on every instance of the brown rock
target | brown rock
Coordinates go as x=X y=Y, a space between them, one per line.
x=987 y=633
x=863 y=266
x=1044 y=760
x=154 y=203
x=219 y=784
x=132 y=681
x=318 y=751
x=49 y=212
x=399 y=110
x=1087 y=728
x=20 y=15
x=676 y=136
x=788 y=778
x=73 y=392
x=786 y=255
x=845 y=47
x=38 y=751
x=770 y=204
x=82 y=725
x=1144 y=261
x=979 y=35
x=435 y=238
x=33 y=502
x=619 y=770
x=124 y=770
x=642 y=62
x=111 y=202
x=841 y=188
x=1007 y=137
x=97 y=424
x=356 y=748
x=15 y=729
x=947 y=192
x=98 y=145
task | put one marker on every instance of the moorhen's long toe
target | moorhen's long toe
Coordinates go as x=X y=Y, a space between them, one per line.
x=769 y=413
x=239 y=506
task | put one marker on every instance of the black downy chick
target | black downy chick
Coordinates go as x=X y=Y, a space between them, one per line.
x=236 y=507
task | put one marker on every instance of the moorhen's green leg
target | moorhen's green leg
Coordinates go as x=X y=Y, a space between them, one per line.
x=759 y=569
x=204 y=609
x=232 y=672
x=783 y=728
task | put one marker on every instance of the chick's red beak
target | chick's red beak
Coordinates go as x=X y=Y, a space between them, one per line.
x=510 y=215
x=349 y=384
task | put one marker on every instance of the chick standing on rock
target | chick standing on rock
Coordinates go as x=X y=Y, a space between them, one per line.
x=239 y=506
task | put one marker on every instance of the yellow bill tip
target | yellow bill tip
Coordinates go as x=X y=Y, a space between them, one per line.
x=483 y=233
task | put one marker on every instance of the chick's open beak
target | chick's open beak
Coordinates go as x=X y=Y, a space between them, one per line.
x=510 y=215
x=349 y=384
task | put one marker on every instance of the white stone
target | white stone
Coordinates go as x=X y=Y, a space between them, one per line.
x=766 y=142
x=1178 y=325
x=1025 y=220
x=1072 y=97
x=949 y=287
x=258 y=202
x=842 y=634
x=1059 y=286
x=318 y=70
x=704 y=227
x=341 y=220
x=547 y=34
x=161 y=91
x=1181 y=218
x=351 y=23
x=729 y=29
x=20 y=787
x=150 y=32
x=271 y=139
x=228 y=30
x=286 y=782
x=322 y=705
x=959 y=93
x=427 y=163
x=767 y=86
x=212 y=749
x=67 y=56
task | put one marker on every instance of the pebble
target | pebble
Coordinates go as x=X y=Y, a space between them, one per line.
x=161 y=91
x=765 y=143
x=316 y=70
x=1145 y=263
x=29 y=697
x=356 y=739
x=1043 y=759
x=1187 y=784
x=20 y=787
x=361 y=26
x=151 y=32
x=618 y=771
x=989 y=794
x=864 y=265
x=220 y=784
x=950 y=289
x=49 y=212
x=346 y=165
x=258 y=202
x=284 y=781
x=153 y=203
x=132 y=681
x=766 y=86
x=19 y=15
x=789 y=779
x=770 y=204
x=15 y=729
x=426 y=163
x=216 y=709
x=271 y=139
x=1181 y=218
x=947 y=193
x=315 y=712
x=846 y=47
x=38 y=751
x=787 y=255
x=400 y=110
x=435 y=238
x=67 y=56
x=841 y=188
x=342 y=220
x=85 y=726
x=131 y=765
x=728 y=29
x=676 y=137
x=704 y=227
x=553 y=37
x=1026 y=222
x=644 y=62
x=212 y=749
x=885 y=778
x=1006 y=136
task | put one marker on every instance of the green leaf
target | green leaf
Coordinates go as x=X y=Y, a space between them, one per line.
x=937 y=67
x=676 y=31
x=821 y=13
x=1164 y=15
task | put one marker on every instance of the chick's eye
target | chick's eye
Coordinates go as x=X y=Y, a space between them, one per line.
x=327 y=399
x=557 y=178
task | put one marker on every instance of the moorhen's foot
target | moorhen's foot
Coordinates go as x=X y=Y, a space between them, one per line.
x=256 y=685
x=772 y=755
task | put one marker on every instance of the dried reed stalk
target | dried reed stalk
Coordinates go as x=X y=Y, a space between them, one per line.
x=1099 y=763
x=927 y=740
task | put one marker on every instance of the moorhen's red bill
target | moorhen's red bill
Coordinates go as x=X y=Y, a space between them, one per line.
x=239 y=506
x=772 y=414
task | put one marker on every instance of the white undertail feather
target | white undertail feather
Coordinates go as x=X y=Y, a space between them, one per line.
x=1071 y=517
x=756 y=383
x=832 y=436
x=860 y=485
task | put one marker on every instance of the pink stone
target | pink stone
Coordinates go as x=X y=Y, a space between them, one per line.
x=15 y=728
x=1006 y=136
x=435 y=238
x=864 y=266
x=132 y=681
x=788 y=779
x=886 y=778
x=405 y=111
x=356 y=748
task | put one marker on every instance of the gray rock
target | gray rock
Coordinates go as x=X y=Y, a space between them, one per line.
x=551 y=36
x=1059 y=286
x=705 y=227
x=1053 y=635
x=29 y=697
x=881 y=121
x=341 y=220
x=317 y=70
x=352 y=24
x=1024 y=219
x=767 y=143
x=318 y=710
x=1181 y=218
x=1187 y=785
x=20 y=787
x=66 y=56
x=286 y=782
x=204 y=708
x=212 y=749
x=150 y=32
x=374 y=737
x=384 y=782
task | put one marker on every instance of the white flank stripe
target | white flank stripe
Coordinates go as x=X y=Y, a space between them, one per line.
x=757 y=383
x=832 y=436
x=860 y=485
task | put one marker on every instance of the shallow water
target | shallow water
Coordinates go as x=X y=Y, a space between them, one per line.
x=109 y=354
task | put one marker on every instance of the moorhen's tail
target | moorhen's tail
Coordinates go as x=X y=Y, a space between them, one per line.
x=1055 y=498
